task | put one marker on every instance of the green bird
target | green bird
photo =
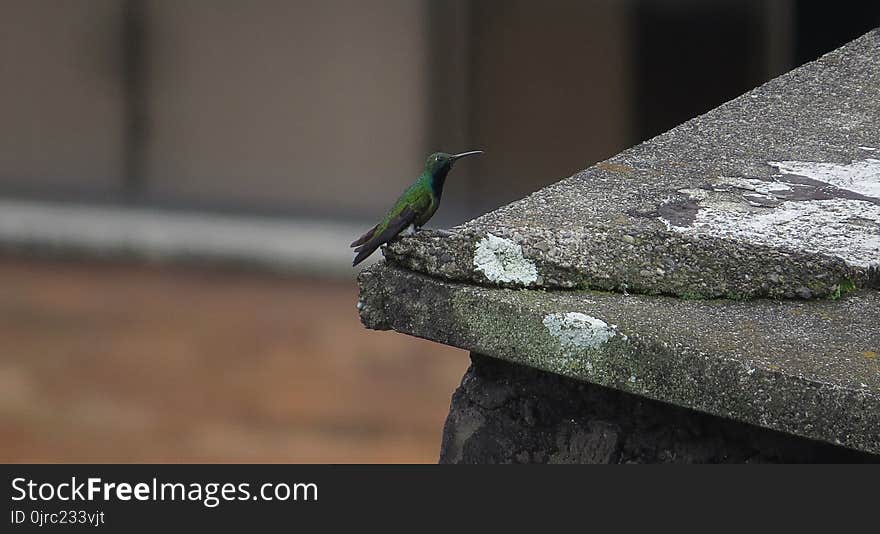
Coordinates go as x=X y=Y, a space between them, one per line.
x=414 y=207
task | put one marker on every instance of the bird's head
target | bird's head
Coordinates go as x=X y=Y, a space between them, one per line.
x=439 y=163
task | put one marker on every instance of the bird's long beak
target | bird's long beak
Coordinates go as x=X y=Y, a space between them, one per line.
x=465 y=154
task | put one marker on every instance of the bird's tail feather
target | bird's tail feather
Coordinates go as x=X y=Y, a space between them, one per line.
x=365 y=250
x=365 y=247
x=364 y=238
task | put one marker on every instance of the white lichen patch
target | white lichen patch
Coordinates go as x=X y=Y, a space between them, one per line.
x=859 y=176
x=762 y=187
x=845 y=226
x=502 y=260
x=578 y=330
x=848 y=229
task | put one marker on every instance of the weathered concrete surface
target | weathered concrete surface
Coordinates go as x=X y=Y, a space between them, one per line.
x=809 y=368
x=776 y=193
x=508 y=413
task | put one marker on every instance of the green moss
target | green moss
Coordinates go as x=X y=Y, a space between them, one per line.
x=843 y=287
x=817 y=286
x=692 y=295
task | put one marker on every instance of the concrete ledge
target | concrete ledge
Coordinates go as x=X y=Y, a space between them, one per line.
x=729 y=266
x=809 y=368
x=776 y=193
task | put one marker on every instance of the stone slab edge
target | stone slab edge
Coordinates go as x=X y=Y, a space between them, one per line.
x=825 y=400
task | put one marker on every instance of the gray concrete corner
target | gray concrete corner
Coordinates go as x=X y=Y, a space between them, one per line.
x=730 y=266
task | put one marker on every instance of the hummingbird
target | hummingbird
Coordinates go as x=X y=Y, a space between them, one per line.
x=414 y=207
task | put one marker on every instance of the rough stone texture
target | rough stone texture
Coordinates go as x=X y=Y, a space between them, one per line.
x=809 y=368
x=507 y=413
x=742 y=255
x=776 y=193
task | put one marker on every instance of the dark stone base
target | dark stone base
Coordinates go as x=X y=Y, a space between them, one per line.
x=507 y=413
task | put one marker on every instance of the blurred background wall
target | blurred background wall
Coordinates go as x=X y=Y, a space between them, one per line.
x=310 y=117
x=327 y=109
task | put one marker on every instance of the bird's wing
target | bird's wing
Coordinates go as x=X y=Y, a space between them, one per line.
x=394 y=227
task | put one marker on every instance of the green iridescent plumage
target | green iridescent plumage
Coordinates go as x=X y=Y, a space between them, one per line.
x=414 y=207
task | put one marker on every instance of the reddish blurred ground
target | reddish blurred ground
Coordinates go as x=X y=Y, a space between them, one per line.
x=115 y=363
